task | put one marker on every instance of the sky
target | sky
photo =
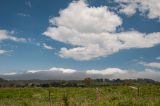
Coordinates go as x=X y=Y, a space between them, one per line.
x=75 y=38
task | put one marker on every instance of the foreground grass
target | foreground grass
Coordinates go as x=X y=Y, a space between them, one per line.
x=149 y=95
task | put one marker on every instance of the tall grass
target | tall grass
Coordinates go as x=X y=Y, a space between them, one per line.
x=149 y=95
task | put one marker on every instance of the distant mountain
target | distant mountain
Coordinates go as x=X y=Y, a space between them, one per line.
x=45 y=75
x=61 y=74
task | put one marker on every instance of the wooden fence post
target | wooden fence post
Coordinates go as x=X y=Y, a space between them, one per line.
x=49 y=97
x=97 y=94
x=138 y=91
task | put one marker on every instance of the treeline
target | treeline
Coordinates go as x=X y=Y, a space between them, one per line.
x=73 y=83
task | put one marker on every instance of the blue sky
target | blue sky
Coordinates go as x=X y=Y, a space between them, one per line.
x=38 y=48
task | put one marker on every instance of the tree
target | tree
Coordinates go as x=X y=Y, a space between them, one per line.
x=87 y=81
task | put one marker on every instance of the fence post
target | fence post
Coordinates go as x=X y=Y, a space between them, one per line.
x=97 y=94
x=65 y=99
x=138 y=91
x=49 y=97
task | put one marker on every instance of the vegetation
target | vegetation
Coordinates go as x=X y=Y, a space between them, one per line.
x=87 y=92
x=87 y=82
x=115 y=95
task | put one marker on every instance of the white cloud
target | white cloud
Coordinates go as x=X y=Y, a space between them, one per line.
x=23 y=15
x=158 y=58
x=108 y=71
x=11 y=73
x=6 y=35
x=33 y=71
x=3 y=52
x=149 y=7
x=47 y=46
x=82 y=53
x=79 y=17
x=155 y=65
x=92 y=32
x=54 y=69
x=69 y=71
x=128 y=9
x=147 y=73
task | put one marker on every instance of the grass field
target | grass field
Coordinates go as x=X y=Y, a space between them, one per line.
x=148 y=95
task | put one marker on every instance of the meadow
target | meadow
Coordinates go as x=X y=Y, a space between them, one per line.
x=146 y=95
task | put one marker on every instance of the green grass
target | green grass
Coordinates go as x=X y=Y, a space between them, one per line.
x=149 y=95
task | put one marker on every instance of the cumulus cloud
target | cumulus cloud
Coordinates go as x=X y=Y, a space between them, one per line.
x=92 y=32
x=128 y=9
x=155 y=65
x=71 y=74
x=47 y=46
x=82 y=18
x=149 y=7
